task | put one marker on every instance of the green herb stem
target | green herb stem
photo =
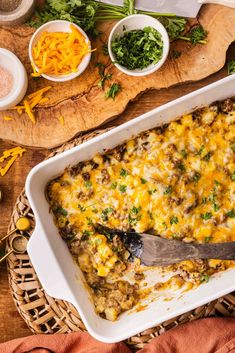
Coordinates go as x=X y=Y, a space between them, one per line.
x=188 y=39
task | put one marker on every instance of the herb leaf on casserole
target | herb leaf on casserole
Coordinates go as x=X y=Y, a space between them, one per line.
x=168 y=190
x=174 y=220
x=206 y=216
x=123 y=172
x=231 y=214
x=204 y=278
x=122 y=188
x=60 y=211
x=138 y=49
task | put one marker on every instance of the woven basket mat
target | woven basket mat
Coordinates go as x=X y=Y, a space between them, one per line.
x=44 y=314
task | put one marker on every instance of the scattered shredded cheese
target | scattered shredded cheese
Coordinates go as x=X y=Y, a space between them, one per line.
x=13 y=154
x=7 y=118
x=59 y=53
x=61 y=120
x=31 y=101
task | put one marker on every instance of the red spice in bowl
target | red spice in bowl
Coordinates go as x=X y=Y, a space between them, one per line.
x=6 y=82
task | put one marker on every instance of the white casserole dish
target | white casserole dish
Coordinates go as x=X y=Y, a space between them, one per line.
x=55 y=267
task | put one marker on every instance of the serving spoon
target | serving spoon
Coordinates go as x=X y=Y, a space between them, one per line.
x=156 y=251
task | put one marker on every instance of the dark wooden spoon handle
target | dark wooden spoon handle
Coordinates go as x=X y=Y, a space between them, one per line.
x=161 y=252
x=224 y=251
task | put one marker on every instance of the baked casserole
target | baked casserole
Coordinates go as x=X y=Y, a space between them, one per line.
x=176 y=181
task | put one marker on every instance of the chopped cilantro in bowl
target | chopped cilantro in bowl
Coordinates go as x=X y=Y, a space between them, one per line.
x=137 y=49
x=138 y=45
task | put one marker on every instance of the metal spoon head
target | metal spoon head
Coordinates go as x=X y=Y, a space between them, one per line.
x=19 y=244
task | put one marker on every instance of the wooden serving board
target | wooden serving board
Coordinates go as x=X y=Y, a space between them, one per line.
x=84 y=106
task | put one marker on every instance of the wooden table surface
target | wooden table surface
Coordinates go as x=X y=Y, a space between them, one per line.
x=11 y=324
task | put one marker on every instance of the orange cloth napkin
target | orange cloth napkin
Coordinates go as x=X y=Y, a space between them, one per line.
x=212 y=335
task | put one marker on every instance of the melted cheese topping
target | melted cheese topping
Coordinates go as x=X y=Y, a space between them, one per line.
x=177 y=181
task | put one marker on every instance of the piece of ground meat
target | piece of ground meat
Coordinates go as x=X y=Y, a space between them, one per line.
x=227 y=105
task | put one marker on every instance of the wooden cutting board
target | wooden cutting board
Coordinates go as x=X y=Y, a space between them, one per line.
x=84 y=106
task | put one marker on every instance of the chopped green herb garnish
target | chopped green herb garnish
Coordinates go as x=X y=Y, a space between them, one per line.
x=204 y=200
x=201 y=150
x=113 y=91
x=184 y=153
x=168 y=190
x=233 y=147
x=217 y=183
x=233 y=176
x=181 y=166
x=105 y=212
x=123 y=172
x=196 y=177
x=207 y=157
x=138 y=49
x=87 y=233
x=143 y=181
x=152 y=191
x=61 y=211
x=136 y=210
x=114 y=185
x=208 y=239
x=204 y=278
x=231 y=214
x=81 y=208
x=88 y=184
x=89 y=221
x=231 y=67
x=175 y=236
x=206 y=215
x=103 y=79
x=174 y=220
x=134 y=220
x=150 y=215
x=122 y=188
x=212 y=197
x=164 y=225
x=216 y=207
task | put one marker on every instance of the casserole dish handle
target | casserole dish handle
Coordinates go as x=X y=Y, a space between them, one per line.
x=46 y=264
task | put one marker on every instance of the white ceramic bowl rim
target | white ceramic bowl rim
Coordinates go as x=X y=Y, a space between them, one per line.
x=85 y=61
x=18 y=81
x=153 y=22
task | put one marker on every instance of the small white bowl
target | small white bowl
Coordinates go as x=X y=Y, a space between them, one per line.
x=59 y=26
x=134 y=22
x=11 y=63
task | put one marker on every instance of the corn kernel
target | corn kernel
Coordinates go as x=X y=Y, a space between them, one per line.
x=105 y=251
x=111 y=261
x=103 y=271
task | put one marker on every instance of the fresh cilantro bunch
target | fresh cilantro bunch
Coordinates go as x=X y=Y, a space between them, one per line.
x=86 y=13
x=138 y=49
x=80 y=12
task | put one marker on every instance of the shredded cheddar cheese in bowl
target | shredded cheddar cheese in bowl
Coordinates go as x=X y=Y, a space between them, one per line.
x=56 y=52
